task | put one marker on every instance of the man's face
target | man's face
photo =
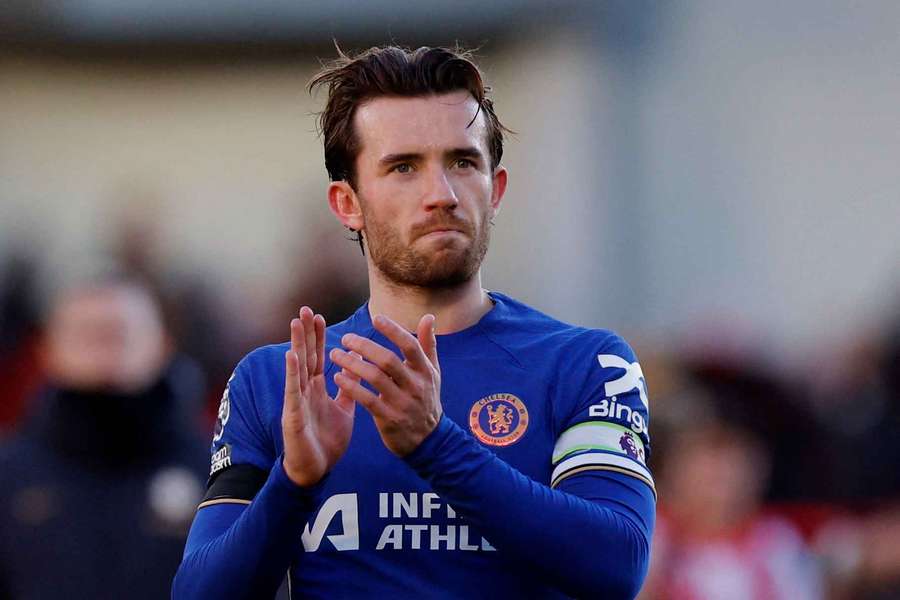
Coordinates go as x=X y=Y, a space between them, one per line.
x=109 y=337
x=425 y=188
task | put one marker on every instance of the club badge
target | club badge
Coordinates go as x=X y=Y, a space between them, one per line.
x=498 y=419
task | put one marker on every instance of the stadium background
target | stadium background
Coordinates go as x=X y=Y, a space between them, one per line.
x=715 y=180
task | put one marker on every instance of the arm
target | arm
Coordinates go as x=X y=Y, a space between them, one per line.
x=238 y=550
x=590 y=538
x=244 y=536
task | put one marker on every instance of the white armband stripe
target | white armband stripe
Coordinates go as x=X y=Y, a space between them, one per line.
x=601 y=459
x=595 y=435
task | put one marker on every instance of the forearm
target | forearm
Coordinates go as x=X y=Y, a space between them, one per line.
x=246 y=558
x=586 y=547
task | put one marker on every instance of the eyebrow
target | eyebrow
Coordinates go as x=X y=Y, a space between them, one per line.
x=465 y=152
x=388 y=159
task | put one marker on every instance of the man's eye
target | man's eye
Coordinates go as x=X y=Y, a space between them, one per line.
x=464 y=163
x=402 y=168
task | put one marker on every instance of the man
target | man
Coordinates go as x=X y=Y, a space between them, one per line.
x=444 y=441
x=98 y=489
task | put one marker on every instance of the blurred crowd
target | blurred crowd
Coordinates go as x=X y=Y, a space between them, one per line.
x=113 y=376
x=777 y=483
x=772 y=483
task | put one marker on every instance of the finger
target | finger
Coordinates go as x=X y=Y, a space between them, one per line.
x=295 y=410
x=342 y=398
x=291 y=381
x=309 y=330
x=428 y=339
x=298 y=346
x=403 y=339
x=355 y=355
x=319 y=324
x=351 y=388
x=364 y=370
x=378 y=355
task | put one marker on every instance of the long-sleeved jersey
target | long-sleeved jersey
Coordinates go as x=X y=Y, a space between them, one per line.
x=533 y=484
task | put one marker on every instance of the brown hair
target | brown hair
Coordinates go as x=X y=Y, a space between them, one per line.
x=394 y=71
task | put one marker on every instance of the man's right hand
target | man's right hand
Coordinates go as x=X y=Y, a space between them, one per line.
x=316 y=428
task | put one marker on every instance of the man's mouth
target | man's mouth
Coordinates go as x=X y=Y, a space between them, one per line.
x=441 y=232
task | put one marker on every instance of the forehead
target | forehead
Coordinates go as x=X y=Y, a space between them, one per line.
x=120 y=306
x=392 y=124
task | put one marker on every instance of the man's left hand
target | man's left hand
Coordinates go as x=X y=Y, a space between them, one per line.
x=408 y=405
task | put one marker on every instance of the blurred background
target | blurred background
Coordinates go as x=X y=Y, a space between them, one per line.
x=716 y=180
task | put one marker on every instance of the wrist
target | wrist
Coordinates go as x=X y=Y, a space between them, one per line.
x=431 y=444
x=297 y=478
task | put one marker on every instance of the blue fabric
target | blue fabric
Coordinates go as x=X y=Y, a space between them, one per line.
x=471 y=513
x=597 y=546
x=243 y=551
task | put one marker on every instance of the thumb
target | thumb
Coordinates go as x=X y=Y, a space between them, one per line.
x=428 y=339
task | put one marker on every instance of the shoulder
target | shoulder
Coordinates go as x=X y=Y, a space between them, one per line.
x=257 y=373
x=263 y=358
x=531 y=332
x=263 y=368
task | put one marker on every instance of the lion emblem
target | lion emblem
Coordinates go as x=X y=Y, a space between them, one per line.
x=627 y=443
x=500 y=419
x=222 y=417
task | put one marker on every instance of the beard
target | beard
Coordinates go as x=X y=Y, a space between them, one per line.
x=448 y=264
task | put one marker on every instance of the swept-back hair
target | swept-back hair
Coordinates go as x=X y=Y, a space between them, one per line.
x=394 y=71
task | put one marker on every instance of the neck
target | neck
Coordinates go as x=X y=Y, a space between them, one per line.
x=455 y=308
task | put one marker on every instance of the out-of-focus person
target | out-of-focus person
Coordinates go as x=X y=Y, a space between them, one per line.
x=98 y=487
x=713 y=540
x=857 y=403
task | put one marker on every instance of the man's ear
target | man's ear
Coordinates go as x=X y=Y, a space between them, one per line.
x=499 y=189
x=344 y=204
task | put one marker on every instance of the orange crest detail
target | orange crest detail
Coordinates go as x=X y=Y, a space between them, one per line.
x=498 y=419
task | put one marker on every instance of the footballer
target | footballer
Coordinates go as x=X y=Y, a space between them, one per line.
x=445 y=441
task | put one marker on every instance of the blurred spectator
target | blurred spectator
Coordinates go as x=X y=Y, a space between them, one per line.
x=856 y=397
x=196 y=315
x=333 y=282
x=712 y=540
x=99 y=485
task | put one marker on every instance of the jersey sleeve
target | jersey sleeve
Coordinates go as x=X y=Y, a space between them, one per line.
x=604 y=417
x=242 y=451
x=245 y=535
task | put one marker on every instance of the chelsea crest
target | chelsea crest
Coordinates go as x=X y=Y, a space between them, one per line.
x=498 y=419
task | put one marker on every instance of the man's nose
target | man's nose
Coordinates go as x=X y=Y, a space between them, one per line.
x=441 y=193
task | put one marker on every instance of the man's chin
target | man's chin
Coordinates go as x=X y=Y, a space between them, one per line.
x=437 y=273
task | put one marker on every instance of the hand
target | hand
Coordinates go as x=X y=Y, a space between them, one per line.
x=408 y=405
x=316 y=429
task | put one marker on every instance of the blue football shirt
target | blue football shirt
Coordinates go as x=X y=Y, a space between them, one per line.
x=559 y=405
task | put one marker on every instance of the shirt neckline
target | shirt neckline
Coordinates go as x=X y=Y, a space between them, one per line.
x=446 y=343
